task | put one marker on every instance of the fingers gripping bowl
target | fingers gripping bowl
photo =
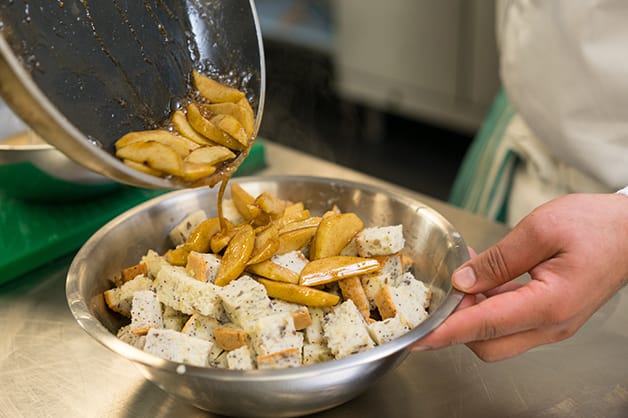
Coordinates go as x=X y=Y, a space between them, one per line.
x=434 y=245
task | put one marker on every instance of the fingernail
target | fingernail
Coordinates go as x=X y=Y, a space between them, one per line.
x=464 y=278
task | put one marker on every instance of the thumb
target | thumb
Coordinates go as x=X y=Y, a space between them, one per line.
x=518 y=252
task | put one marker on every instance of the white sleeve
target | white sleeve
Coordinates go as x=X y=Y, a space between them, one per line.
x=565 y=69
x=624 y=191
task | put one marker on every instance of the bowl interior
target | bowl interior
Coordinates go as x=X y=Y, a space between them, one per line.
x=434 y=245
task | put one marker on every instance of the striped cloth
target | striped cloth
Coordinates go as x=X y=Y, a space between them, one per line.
x=483 y=181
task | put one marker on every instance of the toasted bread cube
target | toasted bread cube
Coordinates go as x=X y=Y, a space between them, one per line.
x=390 y=274
x=119 y=299
x=351 y=288
x=380 y=240
x=132 y=272
x=346 y=330
x=290 y=357
x=176 y=346
x=175 y=288
x=203 y=267
x=316 y=353
x=240 y=359
x=275 y=333
x=245 y=301
x=409 y=300
x=125 y=334
x=300 y=314
x=145 y=312
x=180 y=233
x=228 y=338
x=388 y=329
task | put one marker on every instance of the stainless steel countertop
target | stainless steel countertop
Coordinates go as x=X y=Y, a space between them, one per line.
x=50 y=367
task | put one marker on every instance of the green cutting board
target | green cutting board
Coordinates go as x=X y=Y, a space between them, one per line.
x=35 y=233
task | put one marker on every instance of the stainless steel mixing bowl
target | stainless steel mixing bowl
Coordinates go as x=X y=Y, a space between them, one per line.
x=434 y=245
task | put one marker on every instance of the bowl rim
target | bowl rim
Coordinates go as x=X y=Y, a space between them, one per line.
x=100 y=333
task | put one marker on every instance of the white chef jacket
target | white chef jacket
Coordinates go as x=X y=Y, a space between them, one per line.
x=564 y=66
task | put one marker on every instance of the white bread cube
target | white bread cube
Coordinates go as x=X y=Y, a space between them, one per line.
x=174 y=319
x=388 y=329
x=409 y=300
x=245 y=300
x=119 y=299
x=202 y=266
x=275 y=333
x=293 y=260
x=351 y=288
x=231 y=213
x=240 y=359
x=201 y=326
x=154 y=262
x=180 y=233
x=346 y=330
x=145 y=312
x=300 y=314
x=220 y=362
x=316 y=353
x=176 y=346
x=290 y=357
x=351 y=249
x=380 y=240
x=125 y=334
x=314 y=332
x=175 y=288
x=391 y=269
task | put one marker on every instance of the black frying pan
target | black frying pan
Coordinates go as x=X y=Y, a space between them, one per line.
x=82 y=73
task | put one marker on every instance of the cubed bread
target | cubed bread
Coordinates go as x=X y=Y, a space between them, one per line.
x=293 y=260
x=201 y=326
x=346 y=330
x=391 y=269
x=180 y=233
x=176 y=346
x=174 y=319
x=388 y=329
x=132 y=272
x=145 y=312
x=231 y=213
x=351 y=249
x=316 y=353
x=203 y=266
x=290 y=357
x=220 y=362
x=245 y=300
x=119 y=299
x=125 y=334
x=177 y=289
x=351 y=288
x=380 y=240
x=240 y=359
x=154 y=262
x=275 y=333
x=300 y=314
x=410 y=300
x=314 y=332
x=229 y=338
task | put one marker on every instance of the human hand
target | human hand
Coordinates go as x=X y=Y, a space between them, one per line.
x=575 y=249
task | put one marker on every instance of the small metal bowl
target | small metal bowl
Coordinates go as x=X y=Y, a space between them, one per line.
x=436 y=248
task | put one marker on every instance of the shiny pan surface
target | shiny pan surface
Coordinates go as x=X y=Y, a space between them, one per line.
x=434 y=245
